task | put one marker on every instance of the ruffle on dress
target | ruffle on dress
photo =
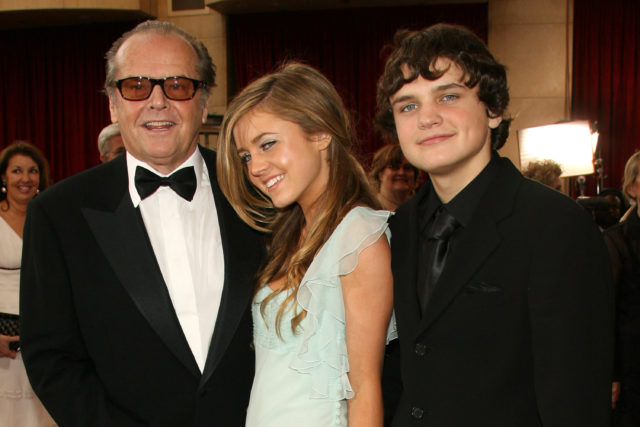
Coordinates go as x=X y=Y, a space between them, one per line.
x=323 y=349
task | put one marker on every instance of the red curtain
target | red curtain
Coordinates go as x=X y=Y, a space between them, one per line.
x=51 y=91
x=345 y=44
x=606 y=78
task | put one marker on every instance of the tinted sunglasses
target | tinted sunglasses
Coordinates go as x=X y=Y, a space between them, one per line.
x=177 y=88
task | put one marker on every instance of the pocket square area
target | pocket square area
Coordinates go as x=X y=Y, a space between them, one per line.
x=483 y=287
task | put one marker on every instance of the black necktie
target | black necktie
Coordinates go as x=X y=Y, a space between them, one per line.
x=437 y=246
x=183 y=182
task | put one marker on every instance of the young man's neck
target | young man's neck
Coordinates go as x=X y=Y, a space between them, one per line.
x=449 y=183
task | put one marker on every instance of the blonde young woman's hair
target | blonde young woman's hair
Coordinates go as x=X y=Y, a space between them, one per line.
x=302 y=95
x=631 y=171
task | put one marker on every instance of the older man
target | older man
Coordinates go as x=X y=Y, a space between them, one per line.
x=137 y=274
x=110 y=143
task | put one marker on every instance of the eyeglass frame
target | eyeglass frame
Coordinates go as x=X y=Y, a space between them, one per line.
x=197 y=84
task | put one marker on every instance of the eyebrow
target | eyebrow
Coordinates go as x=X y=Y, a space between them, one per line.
x=255 y=140
x=437 y=89
x=259 y=137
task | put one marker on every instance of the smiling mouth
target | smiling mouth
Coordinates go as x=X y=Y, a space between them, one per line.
x=159 y=125
x=274 y=181
x=433 y=139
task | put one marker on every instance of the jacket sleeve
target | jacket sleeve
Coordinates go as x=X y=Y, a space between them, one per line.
x=58 y=366
x=571 y=315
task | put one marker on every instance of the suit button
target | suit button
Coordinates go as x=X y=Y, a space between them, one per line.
x=417 y=413
x=421 y=349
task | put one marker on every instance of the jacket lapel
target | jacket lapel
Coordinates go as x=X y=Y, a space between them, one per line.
x=240 y=250
x=120 y=233
x=470 y=252
x=477 y=242
x=404 y=262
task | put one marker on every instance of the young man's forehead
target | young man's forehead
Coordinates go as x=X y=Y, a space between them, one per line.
x=443 y=67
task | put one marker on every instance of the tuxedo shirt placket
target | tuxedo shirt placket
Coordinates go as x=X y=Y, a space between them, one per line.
x=186 y=241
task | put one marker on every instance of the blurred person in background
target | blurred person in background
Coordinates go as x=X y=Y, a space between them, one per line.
x=546 y=172
x=392 y=176
x=110 y=142
x=623 y=241
x=25 y=172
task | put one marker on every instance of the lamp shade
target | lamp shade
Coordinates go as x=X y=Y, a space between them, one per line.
x=569 y=144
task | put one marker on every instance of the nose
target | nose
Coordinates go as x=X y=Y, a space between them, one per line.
x=429 y=117
x=257 y=166
x=157 y=100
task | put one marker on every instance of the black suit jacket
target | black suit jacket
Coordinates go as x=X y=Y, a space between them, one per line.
x=101 y=340
x=518 y=330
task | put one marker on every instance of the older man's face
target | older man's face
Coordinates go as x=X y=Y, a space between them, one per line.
x=159 y=131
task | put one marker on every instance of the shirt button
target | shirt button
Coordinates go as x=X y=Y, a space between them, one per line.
x=421 y=349
x=417 y=413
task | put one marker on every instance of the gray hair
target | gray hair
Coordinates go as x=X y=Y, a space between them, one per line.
x=204 y=65
x=105 y=135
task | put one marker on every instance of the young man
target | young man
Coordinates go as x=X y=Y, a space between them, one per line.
x=502 y=286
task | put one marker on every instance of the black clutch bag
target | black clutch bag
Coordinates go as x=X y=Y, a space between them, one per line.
x=9 y=324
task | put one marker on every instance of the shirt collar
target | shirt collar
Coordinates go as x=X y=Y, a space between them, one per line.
x=194 y=160
x=464 y=204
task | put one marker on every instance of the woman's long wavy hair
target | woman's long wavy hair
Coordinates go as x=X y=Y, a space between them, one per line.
x=302 y=95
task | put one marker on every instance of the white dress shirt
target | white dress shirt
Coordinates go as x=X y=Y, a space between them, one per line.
x=186 y=241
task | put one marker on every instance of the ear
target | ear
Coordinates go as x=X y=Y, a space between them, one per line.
x=113 y=111
x=205 y=111
x=494 y=119
x=322 y=140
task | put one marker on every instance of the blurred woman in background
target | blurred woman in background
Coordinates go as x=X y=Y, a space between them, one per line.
x=24 y=172
x=623 y=241
x=392 y=176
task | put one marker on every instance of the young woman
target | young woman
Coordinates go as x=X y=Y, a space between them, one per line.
x=323 y=298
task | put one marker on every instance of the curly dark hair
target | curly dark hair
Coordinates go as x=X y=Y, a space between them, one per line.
x=420 y=50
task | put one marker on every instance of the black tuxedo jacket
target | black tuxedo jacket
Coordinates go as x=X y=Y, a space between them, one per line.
x=101 y=340
x=518 y=330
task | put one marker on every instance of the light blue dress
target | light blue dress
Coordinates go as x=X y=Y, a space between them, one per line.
x=301 y=379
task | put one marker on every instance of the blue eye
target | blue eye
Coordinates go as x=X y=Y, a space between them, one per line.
x=449 y=97
x=245 y=157
x=408 y=107
x=267 y=144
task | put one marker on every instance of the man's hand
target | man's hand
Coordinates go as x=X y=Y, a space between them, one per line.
x=5 y=351
x=615 y=393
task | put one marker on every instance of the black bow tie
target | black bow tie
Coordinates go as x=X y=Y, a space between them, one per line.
x=183 y=182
